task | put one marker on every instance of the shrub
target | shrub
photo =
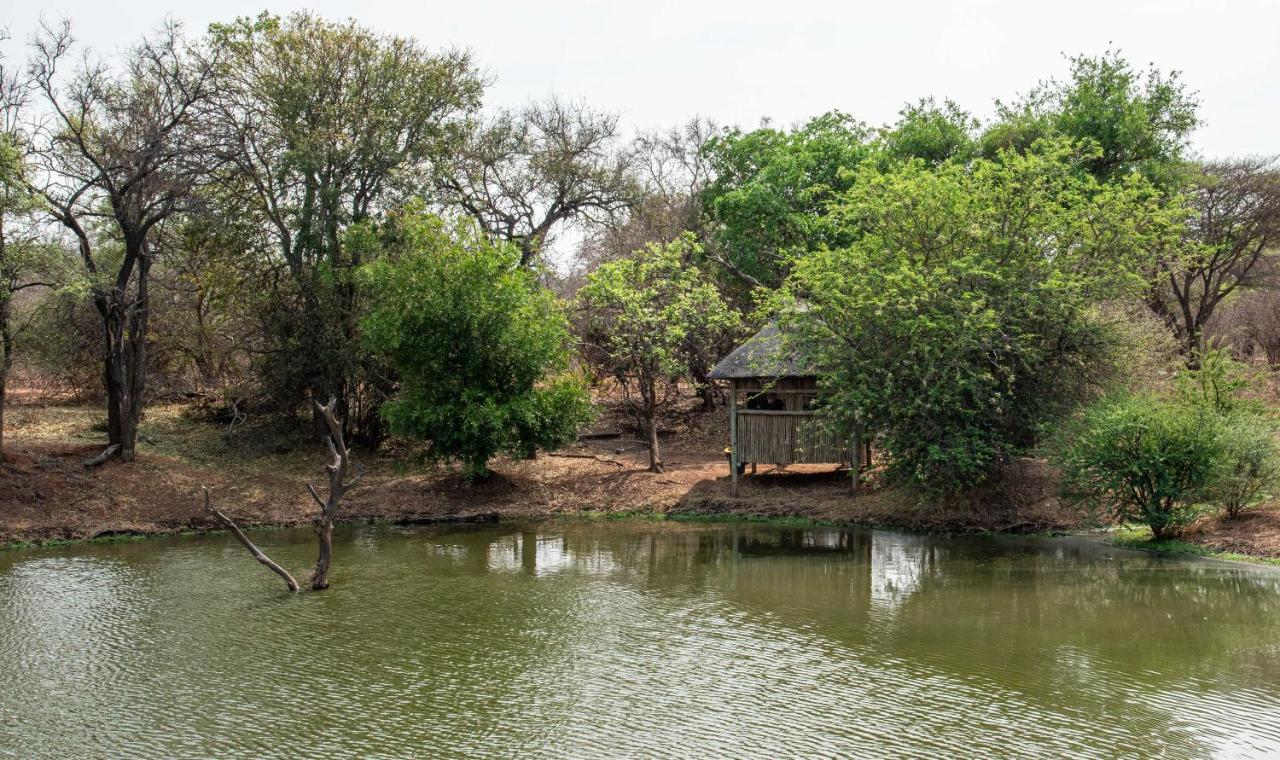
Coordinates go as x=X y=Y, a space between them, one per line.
x=482 y=351
x=1144 y=459
x=1248 y=469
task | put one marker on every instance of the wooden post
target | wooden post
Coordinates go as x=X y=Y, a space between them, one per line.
x=733 y=438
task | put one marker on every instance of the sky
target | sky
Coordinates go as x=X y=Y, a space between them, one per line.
x=660 y=62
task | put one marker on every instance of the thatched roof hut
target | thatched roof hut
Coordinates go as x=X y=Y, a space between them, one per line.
x=771 y=414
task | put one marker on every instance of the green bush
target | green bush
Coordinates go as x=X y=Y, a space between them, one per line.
x=482 y=351
x=1144 y=459
x=1248 y=470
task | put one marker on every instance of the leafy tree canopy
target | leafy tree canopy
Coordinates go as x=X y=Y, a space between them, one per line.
x=1137 y=121
x=481 y=349
x=931 y=132
x=771 y=187
x=960 y=319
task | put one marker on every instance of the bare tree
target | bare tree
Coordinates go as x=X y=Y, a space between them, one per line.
x=119 y=153
x=1231 y=239
x=520 y=175
x=670 y=174
x=341 y=481
x=1250 y=324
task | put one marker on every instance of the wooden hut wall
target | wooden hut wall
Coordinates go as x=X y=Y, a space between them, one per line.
x=792 y=436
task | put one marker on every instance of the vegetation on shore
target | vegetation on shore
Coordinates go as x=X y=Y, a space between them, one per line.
x=283 y=210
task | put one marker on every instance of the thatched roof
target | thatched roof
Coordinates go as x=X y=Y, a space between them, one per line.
x=763 y=355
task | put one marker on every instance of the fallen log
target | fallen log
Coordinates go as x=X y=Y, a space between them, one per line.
x=587 y=456
x=106 y=454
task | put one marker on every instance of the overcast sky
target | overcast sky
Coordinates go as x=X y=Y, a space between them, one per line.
x=658 y=62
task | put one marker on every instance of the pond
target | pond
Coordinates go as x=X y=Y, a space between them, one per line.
x=636 y=639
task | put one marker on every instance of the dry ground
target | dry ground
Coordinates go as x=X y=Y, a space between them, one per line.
x=258 y=475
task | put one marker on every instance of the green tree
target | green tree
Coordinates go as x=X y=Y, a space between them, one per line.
x=1135 y=121
x=330 y=123
x=771 y=188
x=481 y=350
x=961 y=319
x=648 y=310
x=932 y=133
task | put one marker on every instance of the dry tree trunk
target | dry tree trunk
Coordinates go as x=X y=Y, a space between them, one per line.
x=339 y=469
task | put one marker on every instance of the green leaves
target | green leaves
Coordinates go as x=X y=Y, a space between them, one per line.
x=958 y=321
x=771 y=188
x=649 y=307
x=1142 y=459
x=481 y=349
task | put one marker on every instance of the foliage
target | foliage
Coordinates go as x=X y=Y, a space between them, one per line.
x=1136 y=121
x=1143 y=459
x=332 y=123
x=1215 y=384
x=960 y=320
x=771 y=187
x=482 y=351
x=1250 y=468
x=1164 y=461
x=652 y=312
x=932 y=133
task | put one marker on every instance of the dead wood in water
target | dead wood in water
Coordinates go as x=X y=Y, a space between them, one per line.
x=253 y=549
x=340 y=482
x=338 y=468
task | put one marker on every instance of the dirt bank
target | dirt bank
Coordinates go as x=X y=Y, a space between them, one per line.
x=259 y=477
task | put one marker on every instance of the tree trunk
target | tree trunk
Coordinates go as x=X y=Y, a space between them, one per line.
x=4 y=397
x=708 y=394
x=651 y=416
x=125 y=323
x=6 y=363
x=324 y=537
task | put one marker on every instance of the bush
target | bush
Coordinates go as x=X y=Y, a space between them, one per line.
x=1144 y=459
x=1248 y=469
x=481 y=350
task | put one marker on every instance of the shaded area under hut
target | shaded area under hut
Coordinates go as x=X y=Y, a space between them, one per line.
x=772 y=415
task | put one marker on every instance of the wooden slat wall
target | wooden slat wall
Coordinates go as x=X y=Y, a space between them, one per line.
x=791 y=437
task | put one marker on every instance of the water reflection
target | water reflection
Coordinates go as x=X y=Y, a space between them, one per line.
x=649 y=639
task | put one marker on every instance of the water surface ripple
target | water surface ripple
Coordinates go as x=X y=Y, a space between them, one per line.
x=637 y=640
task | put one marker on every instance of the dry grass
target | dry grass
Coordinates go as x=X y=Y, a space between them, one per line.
x=258 y=474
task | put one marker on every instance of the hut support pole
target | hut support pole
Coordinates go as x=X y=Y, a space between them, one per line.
x=733 y=438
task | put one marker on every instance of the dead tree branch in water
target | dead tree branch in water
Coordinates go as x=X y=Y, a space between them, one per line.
x=339 y=468
x=253 y=549
x=340 y=482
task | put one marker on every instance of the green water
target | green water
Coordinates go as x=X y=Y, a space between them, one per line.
x=648 y=640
